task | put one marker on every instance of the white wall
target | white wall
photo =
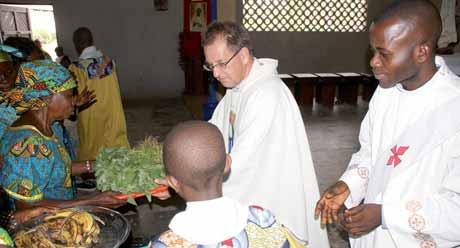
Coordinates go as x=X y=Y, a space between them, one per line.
x=144 y=42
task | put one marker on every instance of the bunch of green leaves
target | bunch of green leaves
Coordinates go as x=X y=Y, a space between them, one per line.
x=130 y=170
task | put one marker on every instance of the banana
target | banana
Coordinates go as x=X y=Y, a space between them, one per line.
x=85 y=219
x=68 y=228
x=72 y=227
x=61 y=214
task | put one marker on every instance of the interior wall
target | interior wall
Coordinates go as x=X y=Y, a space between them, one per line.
x=311 y=51
x=226 y=10
x=144 y=42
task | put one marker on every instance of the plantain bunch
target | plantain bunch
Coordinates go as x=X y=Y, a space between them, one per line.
x=67 y=228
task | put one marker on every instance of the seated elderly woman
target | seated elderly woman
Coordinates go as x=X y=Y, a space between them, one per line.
x=37 y=170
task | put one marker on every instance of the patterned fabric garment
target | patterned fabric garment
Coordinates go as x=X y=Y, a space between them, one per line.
x=35 y=166
x=7 y=51
x=7 y=113
x=96 y=67
x=7 y=117
x=5 y=239
x=262 y=231
x=37 y=79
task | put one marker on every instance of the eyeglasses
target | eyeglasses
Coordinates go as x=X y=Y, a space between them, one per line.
x=221 y=65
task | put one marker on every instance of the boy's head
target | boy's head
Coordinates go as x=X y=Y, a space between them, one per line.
x=195 y=159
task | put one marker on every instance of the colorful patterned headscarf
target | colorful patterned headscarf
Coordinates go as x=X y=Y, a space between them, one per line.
x=37 y=79
x=4 y=57
x=7 y=51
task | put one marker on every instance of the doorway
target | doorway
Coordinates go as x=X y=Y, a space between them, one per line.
x=32 y=21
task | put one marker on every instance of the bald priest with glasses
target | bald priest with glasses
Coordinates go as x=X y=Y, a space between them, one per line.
x=264 y=134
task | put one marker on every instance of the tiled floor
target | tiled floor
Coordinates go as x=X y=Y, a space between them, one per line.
x=332 y=134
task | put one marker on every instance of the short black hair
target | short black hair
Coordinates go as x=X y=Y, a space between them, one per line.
x=421 y=12
x=82 y=38
x=194 y=153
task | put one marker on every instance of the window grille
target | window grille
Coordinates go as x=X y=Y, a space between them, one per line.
x=305 y=15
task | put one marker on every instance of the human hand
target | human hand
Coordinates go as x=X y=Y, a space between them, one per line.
x=331 y=201
x=362 y=219
x=85 y=97
x=164 y=195
x=82 y=167
x=22 y=216
x=107 y=199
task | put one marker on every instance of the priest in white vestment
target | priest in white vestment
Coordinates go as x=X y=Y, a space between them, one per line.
x=264 y=134
x=402 y=188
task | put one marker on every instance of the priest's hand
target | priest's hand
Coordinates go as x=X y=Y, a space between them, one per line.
x=165 y=194
x=331 y=201
x=362 y=219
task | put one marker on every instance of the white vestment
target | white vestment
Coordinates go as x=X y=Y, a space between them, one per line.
x=271 y=160
x=409 y=162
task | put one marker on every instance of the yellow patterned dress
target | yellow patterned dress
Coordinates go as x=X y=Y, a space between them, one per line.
x=103 y=124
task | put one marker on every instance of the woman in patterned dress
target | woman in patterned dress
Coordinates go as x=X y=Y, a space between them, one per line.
x=36 y=168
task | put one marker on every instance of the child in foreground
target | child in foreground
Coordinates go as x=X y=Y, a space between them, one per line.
x=196 y=165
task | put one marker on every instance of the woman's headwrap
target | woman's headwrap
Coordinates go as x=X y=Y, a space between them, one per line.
x=7 y=52
x=35 y=80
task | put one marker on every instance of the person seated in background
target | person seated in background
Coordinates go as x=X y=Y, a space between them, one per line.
x=196 y=164
x=36 y=168
x=62 y=59
x=38 y=43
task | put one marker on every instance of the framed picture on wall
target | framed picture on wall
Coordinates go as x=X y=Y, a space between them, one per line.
x=198 y=16
x=160 y=5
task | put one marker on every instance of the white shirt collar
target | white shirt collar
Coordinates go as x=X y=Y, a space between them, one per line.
x=442 y=71
x=90 y=52
x=210 y=222
x=260 y=68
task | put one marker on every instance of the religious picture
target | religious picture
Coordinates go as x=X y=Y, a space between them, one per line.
x=197 y=16
x=161 y=5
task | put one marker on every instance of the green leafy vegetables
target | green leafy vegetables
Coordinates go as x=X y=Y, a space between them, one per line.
x=130 y=170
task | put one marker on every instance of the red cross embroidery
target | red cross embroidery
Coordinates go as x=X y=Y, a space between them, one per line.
x=227 y=243
x=397 y=151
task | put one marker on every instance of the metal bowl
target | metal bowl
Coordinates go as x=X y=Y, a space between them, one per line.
x=113 y=234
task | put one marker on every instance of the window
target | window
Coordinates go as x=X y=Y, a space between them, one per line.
x=305 y=15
